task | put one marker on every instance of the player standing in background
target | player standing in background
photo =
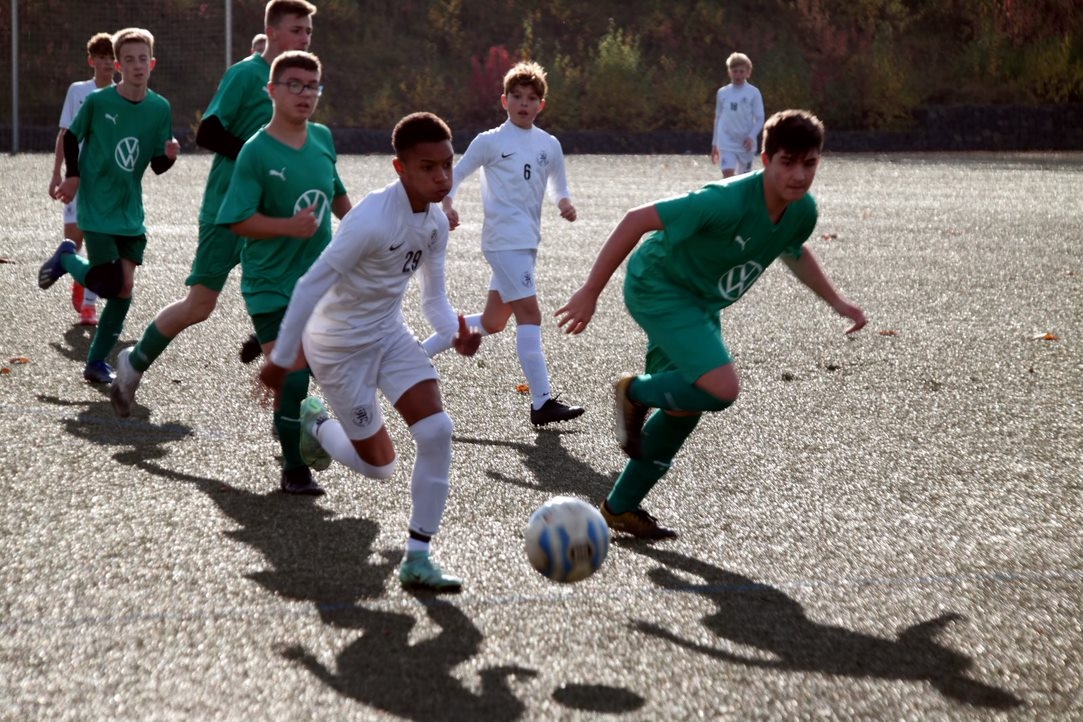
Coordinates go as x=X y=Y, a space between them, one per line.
x=240 y=107
x=122 y=130
x=348 y=309
x=259 y=43
x=519 y=164
x=704 y=251
x=99 y=50
x=738 y=119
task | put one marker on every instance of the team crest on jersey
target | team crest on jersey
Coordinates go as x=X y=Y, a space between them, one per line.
x=313 y=197
x=733 y=106
x=432 y=238
x=361 y=416
x=543 y=158
x=527 y=279
x=738 y=280
x=127 y=153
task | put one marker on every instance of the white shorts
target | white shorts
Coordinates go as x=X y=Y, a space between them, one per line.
x=69 y=211
x=739 y=162
x=513 y=273
x=350 y=376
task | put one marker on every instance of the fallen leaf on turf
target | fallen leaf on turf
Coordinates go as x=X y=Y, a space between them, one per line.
x=830 y=236
x=1047 y=336
x=889 y=332
x=5 y=370
x=18 y=360
x=523 y=389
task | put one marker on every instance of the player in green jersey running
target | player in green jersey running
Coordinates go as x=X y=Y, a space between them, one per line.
x=240 y=107
x=284 y=189
x=123 y=129
x=704 y=251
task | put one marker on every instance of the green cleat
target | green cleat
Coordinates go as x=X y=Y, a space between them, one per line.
x=314 y=455
x=419 y=572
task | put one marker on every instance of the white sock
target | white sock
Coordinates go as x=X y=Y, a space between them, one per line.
x=532 y=361
x=416 y=545
x=89 y=297
x=438 y=344
x=429 y=483
x=333 y=439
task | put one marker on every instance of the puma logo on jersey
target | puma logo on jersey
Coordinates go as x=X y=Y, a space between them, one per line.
x=278 y=173
x=112 y=117
x=742 y=241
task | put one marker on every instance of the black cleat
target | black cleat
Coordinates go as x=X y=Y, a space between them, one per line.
x=553 y=411
x=250 y=349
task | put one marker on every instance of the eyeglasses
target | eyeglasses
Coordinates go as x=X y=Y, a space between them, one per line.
x=297 y=87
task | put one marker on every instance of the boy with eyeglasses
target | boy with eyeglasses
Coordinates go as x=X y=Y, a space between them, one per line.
x=240 y=107
x=281 y=196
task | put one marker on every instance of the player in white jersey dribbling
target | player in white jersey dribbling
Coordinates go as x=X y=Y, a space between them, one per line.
x=347 y=310
x=519 y=164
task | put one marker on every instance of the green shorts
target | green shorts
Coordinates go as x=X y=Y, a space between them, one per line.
x=681 y=334
x=107 y=247
x=218 y=253
x=267 y=324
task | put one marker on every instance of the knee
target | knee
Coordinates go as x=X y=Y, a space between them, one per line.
x=200 y=307
x=493 y=325
x=434 y=430
x=107 y=280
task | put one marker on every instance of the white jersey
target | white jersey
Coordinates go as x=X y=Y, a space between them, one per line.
x=738 y=114
x=518 y=166
x=77 y=93
x=353 y=293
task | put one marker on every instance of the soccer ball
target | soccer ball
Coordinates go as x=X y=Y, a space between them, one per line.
x=566 y=539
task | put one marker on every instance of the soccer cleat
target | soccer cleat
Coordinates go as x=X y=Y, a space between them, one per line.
x=553 y=410
x=299 y=481
x=99 y=372
x=88 y=316
x=250 y=349
x=76 y=296
x=52 y=270
x=122 y=390
x=637 y=523
x=313 y=412
x=628 y=418
x=419 y=572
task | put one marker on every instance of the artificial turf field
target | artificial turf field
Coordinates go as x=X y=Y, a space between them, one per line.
x=884 y=526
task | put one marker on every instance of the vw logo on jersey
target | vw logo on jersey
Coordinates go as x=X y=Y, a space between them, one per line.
x=127 y=153
x=314 y=197
x=738 y=280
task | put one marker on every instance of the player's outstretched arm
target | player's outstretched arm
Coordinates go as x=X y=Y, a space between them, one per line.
x=575 y=315
x=808 y=270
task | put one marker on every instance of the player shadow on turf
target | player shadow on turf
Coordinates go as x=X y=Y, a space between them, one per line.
x=553 y=468
x=76 y=343
x=382 y=668
x=97 y=424
x=776 y=634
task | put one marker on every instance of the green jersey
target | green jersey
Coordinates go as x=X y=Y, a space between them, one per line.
x=243 y=106
x=714 y=244
x=118 y=138
x=277 y=180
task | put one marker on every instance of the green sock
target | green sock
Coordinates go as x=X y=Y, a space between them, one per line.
x=76 y=265
x=670 y=390
x=288 y=418
x=110 y=324
x=663 y=436
x=149 y=348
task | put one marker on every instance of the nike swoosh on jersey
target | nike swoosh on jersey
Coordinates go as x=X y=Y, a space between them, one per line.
x=395 y=248
x=507 y=155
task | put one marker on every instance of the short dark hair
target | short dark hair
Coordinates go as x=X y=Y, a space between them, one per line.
x=295 y=59
x=794 y=131
x=132 y=35
x=278 y=9
x=417 y=128
x=100 y=44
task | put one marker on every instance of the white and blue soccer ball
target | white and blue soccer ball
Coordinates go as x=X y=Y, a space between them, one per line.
x=566 y=539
